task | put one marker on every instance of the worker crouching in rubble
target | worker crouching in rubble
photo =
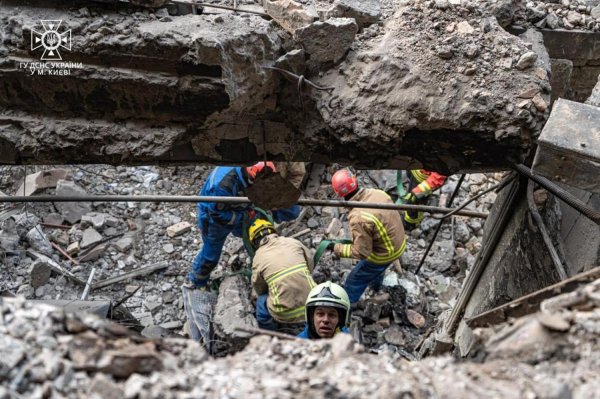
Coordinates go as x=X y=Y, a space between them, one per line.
x=377 y=235
x=327 y=311
x=281 y=276
x=217 y=220
x=422 y=184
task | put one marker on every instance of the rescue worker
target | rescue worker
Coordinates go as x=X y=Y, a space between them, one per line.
x=217 y=220
x=422 y=184
x=327 y=312
x=377 y=235
x=281 y=277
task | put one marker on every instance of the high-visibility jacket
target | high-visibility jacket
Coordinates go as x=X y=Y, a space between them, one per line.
x=282 y=268
x=292 y=171
x=377 y=234
x=428 y=181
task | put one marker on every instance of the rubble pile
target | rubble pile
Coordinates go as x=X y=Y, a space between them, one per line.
x=564 y=14
x=119 y=238
x=551 y=354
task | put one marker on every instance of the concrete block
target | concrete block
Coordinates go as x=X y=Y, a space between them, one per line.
x=178 y=229
x=569 y=146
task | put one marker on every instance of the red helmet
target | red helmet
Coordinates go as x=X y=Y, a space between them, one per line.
x=344 y=182
x=258 y=167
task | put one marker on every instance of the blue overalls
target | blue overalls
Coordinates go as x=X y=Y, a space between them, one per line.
x=217 y=220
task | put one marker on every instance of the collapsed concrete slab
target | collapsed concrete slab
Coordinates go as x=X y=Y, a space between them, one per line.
x=135 y=88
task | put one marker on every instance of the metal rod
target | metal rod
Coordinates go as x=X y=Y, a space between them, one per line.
x=558 y=265
x=439 y=226
x=568 y=198
x=64 y=253
x=253 y=330
x=56 y=226
x=88 y=285
x=262 y=14
x=235 y=200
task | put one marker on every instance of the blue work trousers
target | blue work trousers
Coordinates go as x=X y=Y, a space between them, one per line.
x=213 y=239
x=364 y=274
x=264 y=318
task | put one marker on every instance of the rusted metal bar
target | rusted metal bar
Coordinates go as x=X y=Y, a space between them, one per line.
x=558 y=264
x=64 y=253
x=236 y=200
x=531 y=303
x=56 y=226
x=253 y=330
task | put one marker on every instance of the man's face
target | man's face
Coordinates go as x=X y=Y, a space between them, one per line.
x=325 y=320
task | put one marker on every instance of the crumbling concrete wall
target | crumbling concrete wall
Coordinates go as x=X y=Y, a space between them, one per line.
x=157 y=88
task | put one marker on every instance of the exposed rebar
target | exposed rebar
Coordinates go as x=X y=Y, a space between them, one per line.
x=537 y=218
x=568 y=198
x=439 y=226
x=234 y=200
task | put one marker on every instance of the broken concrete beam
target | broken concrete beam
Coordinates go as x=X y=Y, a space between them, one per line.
x=234 y=309
x=178 y=229
x=71 y=211
x=569 y=146
x=365 y=12
x=135 y=273
x=327 y=41
x=289 y=14
x=41 y=180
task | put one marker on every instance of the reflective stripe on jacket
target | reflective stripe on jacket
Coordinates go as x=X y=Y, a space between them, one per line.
x=282 y=267
x=428 y=181
x=377 y=234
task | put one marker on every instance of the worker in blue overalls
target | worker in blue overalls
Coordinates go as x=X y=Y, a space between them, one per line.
x=217 y=220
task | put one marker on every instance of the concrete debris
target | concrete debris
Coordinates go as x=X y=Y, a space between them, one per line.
x=178 y=229
x=36 y=182
x=94 y=253
x=233 y=310
x=364 y=12
x=38 y=240
x=40 y=273
x=90 y=237
x=73 y=248
x=289 y=14
x=293 y=61
x=71 y=211
x=327 y=41
x=9 y=238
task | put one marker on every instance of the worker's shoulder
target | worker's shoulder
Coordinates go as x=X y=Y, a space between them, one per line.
x=376 y=195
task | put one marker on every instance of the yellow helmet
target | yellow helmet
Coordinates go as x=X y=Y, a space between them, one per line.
x=259 y=229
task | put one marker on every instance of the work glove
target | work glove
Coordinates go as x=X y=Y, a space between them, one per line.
x=251 y=214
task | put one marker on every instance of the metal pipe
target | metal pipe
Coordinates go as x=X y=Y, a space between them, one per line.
x=568 y=198
x=88 y=285
x=439 y=226
x=262 y=14
x=558 y=265
x=234 y=200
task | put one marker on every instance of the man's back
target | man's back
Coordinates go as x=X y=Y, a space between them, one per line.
x=283 y=266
